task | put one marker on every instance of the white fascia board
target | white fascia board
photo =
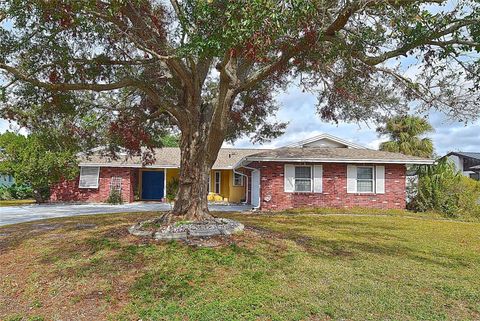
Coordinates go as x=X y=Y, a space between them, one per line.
x=327 y=136
x=342 y=160
x=140 y=166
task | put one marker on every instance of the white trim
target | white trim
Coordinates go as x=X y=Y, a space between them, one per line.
x=164 y=183
x=373 y=179
x=233 y=180
x=140 y=166
x=329 y=137
x=340 y=160
x=80 y=177
x=256 y=203
x=311 y=179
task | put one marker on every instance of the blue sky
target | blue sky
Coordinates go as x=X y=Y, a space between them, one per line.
x=299 y=109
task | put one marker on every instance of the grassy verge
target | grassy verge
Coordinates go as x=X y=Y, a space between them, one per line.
x=284 y=267
x=16 y=202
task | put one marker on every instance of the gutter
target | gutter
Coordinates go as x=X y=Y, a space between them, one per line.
x=340 y=160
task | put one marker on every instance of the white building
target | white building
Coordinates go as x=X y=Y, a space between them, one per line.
x=468 y=163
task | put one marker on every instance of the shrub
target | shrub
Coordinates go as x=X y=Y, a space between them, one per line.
x=5 y=194
x=441 y=188
x=115 y=197
x=18 y=192
x=172 y=189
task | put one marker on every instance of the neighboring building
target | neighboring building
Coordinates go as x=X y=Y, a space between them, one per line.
x=324 y=171
x=468 y=163
x=6 y=180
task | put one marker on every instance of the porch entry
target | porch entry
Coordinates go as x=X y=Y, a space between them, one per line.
x=153 y=183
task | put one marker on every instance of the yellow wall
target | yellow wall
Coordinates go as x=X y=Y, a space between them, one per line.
x=229 y=192
x=237 y=193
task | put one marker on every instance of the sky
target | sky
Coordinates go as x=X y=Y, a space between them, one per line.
x=299 y=110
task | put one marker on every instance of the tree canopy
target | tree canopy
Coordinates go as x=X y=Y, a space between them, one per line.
x=120 y=72
x=35 y=161
x=406 y=136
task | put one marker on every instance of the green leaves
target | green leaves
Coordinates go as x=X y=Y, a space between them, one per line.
x=36 y=161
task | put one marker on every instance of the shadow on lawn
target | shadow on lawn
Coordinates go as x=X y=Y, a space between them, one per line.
x=366 y=242
x=13 y=236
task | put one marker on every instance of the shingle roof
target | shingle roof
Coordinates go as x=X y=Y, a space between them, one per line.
x=169 y=157
x=341 y=155
x=466 y=154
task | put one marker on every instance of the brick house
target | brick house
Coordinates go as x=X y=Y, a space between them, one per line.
x=324 y=171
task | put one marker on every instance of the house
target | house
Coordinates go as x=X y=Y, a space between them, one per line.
x=468 y=163
x=6 y=180
x=322 y=171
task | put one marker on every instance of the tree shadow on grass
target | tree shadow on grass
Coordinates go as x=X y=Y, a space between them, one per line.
x=13 y=236
x=364 y=242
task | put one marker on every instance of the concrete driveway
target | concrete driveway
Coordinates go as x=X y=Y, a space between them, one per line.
x=19 y=214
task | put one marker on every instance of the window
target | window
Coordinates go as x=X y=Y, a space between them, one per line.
x=116 y=183
x=218 y=177
x=303 y=179
x=365 y=183
x=475 y=176
x=237 y=179
x=89 y=177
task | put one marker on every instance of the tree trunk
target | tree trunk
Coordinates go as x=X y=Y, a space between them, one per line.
x=197 y=157
x=39 y=198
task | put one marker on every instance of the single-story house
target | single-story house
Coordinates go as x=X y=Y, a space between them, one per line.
x=322 y=171
x=468 y=163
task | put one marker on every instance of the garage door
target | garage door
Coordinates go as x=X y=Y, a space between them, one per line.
x=152 y=185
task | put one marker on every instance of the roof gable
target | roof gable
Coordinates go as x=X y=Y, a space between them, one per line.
x=326 y=141
x=473 y=155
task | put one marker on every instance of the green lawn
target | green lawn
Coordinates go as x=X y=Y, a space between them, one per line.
x=284 y=267
x=16 y=202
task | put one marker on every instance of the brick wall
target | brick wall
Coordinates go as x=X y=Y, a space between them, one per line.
x=273 y=197
x=68 y=191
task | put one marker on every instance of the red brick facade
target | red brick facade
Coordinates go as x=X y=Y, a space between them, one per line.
x=273 y=196
x=68 y=191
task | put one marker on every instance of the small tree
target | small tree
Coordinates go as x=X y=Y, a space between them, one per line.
x=405 y=136
x=34 y=161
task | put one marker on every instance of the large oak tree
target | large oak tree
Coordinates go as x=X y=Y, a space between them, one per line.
x=130 y=68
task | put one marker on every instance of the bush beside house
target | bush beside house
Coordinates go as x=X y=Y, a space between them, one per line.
x=442 y=189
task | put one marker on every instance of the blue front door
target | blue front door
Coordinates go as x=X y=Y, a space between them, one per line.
x=152 y=185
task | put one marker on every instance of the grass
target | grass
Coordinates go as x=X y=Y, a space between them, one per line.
x=284 y=267
x=16 y=202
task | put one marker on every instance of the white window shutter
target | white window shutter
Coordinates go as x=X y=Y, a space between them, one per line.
x=351 y=179
x=89 y=177
x=289 y=177
x=380 y=179
x=317 y=178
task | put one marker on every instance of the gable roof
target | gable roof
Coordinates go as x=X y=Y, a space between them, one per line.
x=335 y=155
x=473 y=155
x=327 y=137
x=168 y=157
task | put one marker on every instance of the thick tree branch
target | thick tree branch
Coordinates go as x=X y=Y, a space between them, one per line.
x=126 y=82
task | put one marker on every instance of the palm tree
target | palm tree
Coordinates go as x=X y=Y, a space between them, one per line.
x=405 y=133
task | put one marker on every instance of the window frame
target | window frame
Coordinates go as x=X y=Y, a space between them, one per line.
x=80 y=177
x=219 y=182
x=373 y=180
x=235 y=178
x=302 y=179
